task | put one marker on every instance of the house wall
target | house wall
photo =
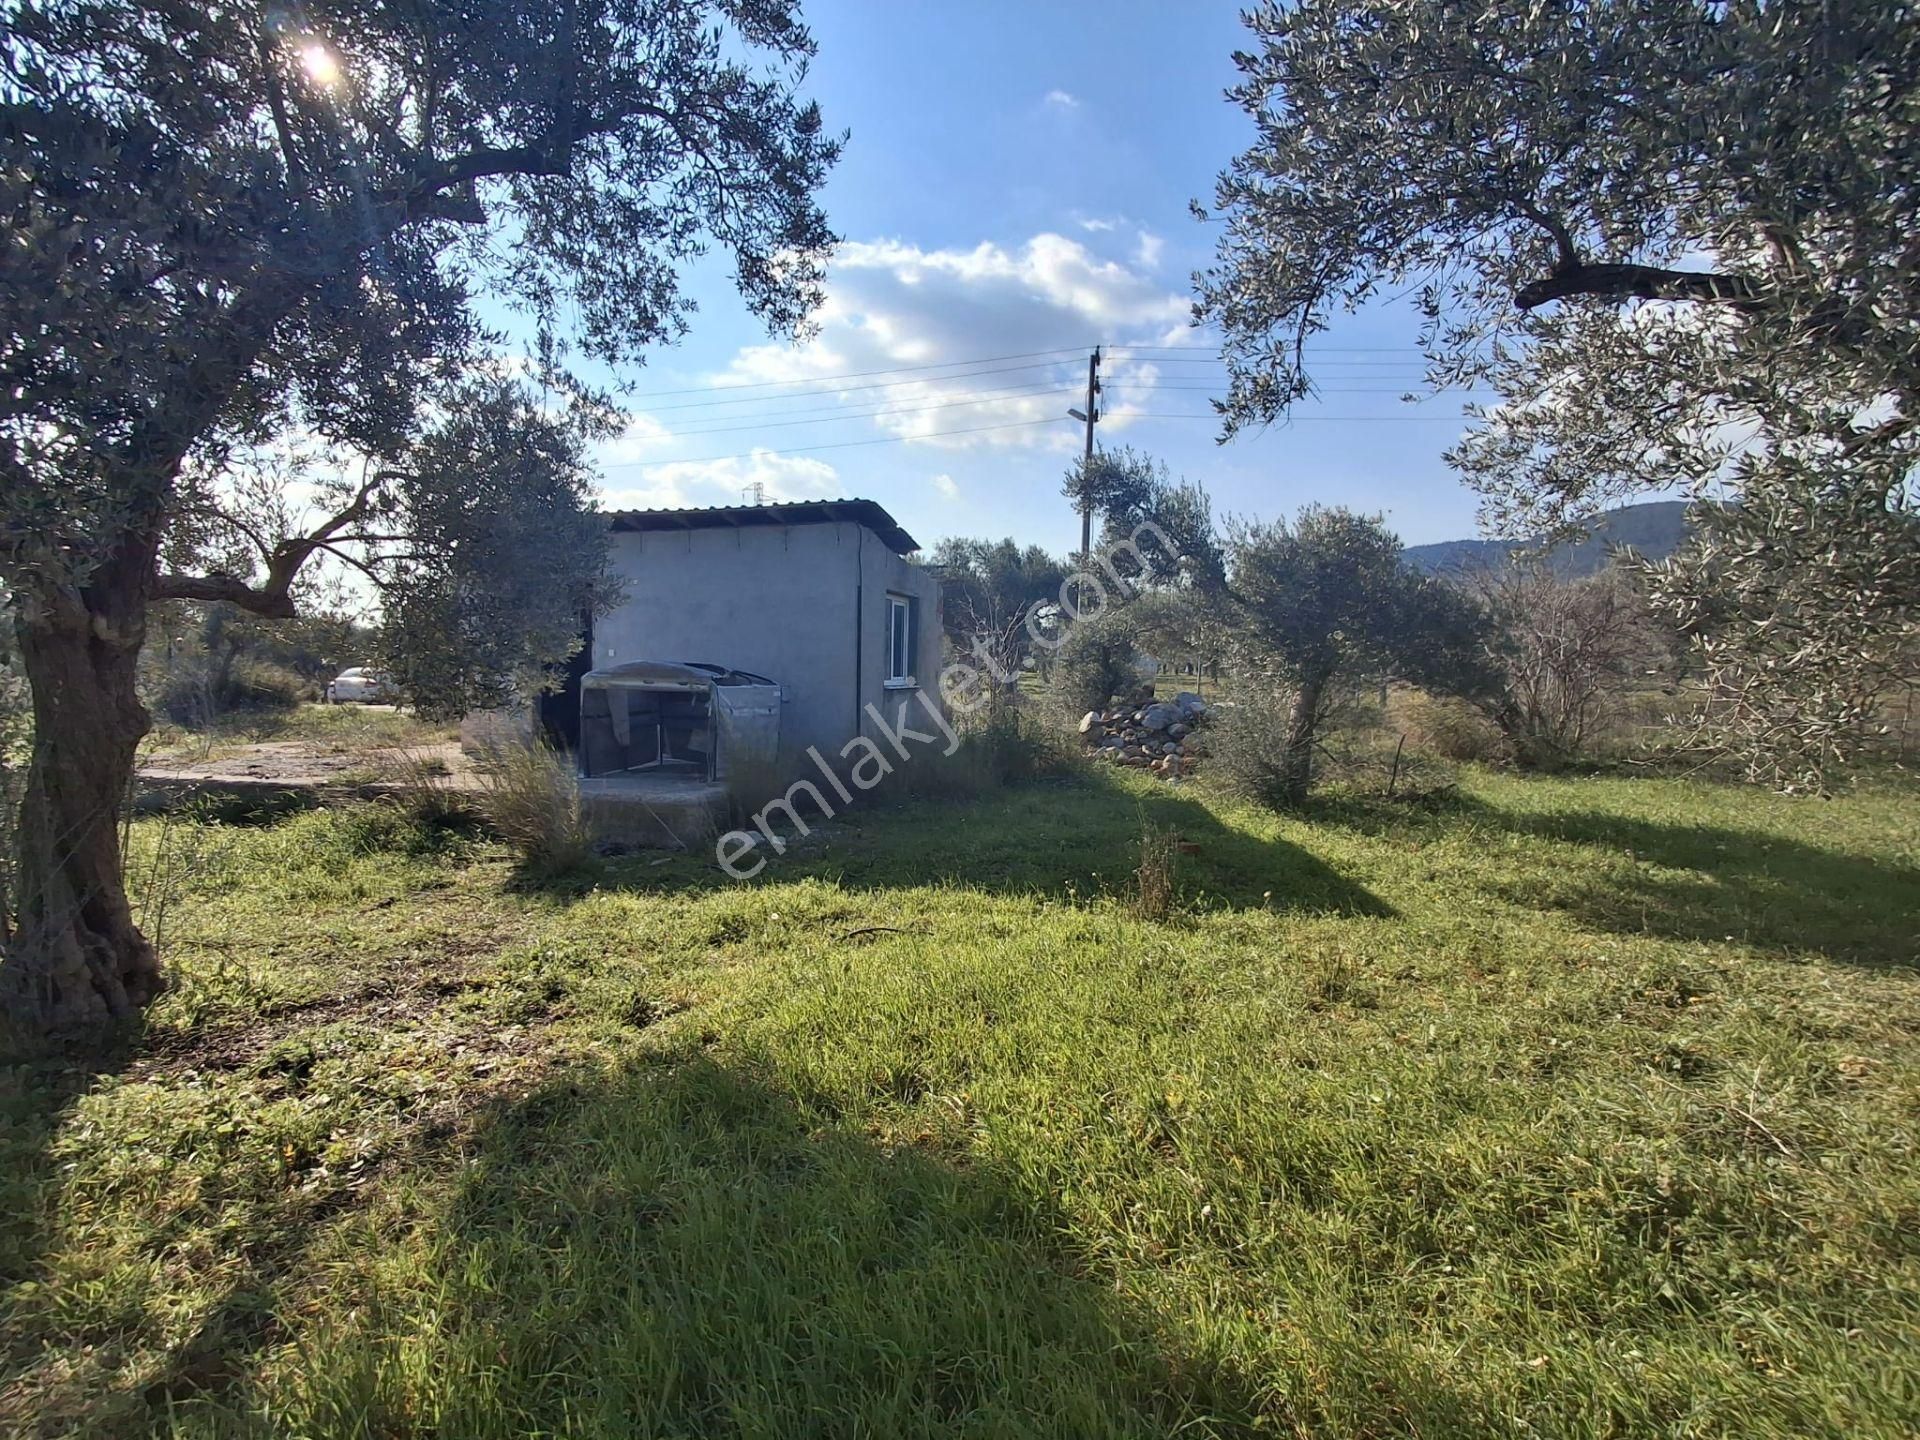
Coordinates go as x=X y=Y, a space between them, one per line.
x=884 y=573
x=804 y=605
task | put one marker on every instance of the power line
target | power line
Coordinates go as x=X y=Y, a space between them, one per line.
x=837 y=445
x=1041 y=359
x=860 y=374
x=839 y=416
x=1015 y=425
x=1199 y=352
x=1291 y=419
x=1383 y=363
x=849 y=389
x=1179 y=383
x=848 y=410
x=824 y=415
x=1318 y=389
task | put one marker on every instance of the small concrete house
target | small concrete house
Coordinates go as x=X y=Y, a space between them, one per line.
x=815 y=596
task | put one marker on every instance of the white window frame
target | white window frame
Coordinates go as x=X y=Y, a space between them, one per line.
x=899 y=666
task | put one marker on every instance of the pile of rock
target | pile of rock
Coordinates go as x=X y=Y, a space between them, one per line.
x=1143 y=733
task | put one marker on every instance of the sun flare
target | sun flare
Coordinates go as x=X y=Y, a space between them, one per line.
x=323 y=66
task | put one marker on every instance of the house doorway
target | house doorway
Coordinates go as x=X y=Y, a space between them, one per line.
x=558 y=711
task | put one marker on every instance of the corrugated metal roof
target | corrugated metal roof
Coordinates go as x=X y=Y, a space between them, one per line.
x=869 y=513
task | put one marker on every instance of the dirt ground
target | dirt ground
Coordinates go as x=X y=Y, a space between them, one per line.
x=312 y=762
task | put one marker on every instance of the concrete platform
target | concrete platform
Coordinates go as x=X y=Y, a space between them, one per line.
x=674 y=812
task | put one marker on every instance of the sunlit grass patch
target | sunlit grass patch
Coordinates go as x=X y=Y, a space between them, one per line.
x=1573 y=1106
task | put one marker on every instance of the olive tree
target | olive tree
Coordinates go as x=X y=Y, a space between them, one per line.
x=1132 y=492
x=1141 y=592
x=1676 y=237
x=1801 y=602
x=231 y=224
x=504 y=554
x=1329 y=598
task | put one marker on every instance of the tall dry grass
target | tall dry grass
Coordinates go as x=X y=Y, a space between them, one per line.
x=1155 y=878
x=530 y=798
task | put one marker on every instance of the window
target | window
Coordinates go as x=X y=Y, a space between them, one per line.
x=900 y=628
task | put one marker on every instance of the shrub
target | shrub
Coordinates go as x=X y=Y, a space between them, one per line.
x=1006 y=745
x=262 y=685
x=1451 y=729
x=185 y=696
x=1572 y=655
x=196 y=692
x=1374 y=763
x=1248 y=749
x=530 y=798
x=421 y=784
x=1015 y=746
x=1097 y=658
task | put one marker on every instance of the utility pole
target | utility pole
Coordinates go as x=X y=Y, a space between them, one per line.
x=1090 y=415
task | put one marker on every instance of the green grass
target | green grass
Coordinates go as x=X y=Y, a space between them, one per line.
x=1569 y=1107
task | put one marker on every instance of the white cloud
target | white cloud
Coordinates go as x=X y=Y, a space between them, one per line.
x=644 y=436
x=680 y=484
x=946 y=486
x=1147 y=253
x=891 y=304
x=1061 y=100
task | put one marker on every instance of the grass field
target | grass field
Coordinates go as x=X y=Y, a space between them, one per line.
x=1562 y=1107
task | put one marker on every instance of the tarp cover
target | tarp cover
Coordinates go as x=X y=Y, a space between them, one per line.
x=745 y=707
x=653 y=673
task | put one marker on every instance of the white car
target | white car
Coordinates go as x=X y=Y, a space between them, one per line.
x=359 y=685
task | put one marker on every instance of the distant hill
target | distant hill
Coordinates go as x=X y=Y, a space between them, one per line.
x=1655 y=529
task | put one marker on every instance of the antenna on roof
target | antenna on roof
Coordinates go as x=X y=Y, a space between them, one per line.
x=756 y=493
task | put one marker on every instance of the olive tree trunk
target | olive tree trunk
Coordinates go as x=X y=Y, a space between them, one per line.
x=1303 y=724
x=74 y=959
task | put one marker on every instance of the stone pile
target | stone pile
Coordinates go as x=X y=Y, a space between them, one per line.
x=1143 y=733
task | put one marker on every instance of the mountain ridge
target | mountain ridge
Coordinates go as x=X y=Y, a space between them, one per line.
x=1655 y=528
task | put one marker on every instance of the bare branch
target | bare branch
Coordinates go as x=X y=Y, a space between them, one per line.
x=264 y=601
x=1563 y=244
x=1642 y=282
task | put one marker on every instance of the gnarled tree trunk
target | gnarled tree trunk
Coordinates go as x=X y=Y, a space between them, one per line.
x=75 y=961
x=1303 y=724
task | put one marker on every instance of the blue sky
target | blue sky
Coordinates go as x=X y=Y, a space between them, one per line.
x=1015 y=189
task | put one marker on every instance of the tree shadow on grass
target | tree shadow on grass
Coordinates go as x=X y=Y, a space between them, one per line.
x=36 y=1096
x=1704 y=883
x=678 y=1248
x=65 y=1377
x=1041 y=837
x=102 y=1362
x=41 y=1083
x=40 y=1087
x=691 y=1250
